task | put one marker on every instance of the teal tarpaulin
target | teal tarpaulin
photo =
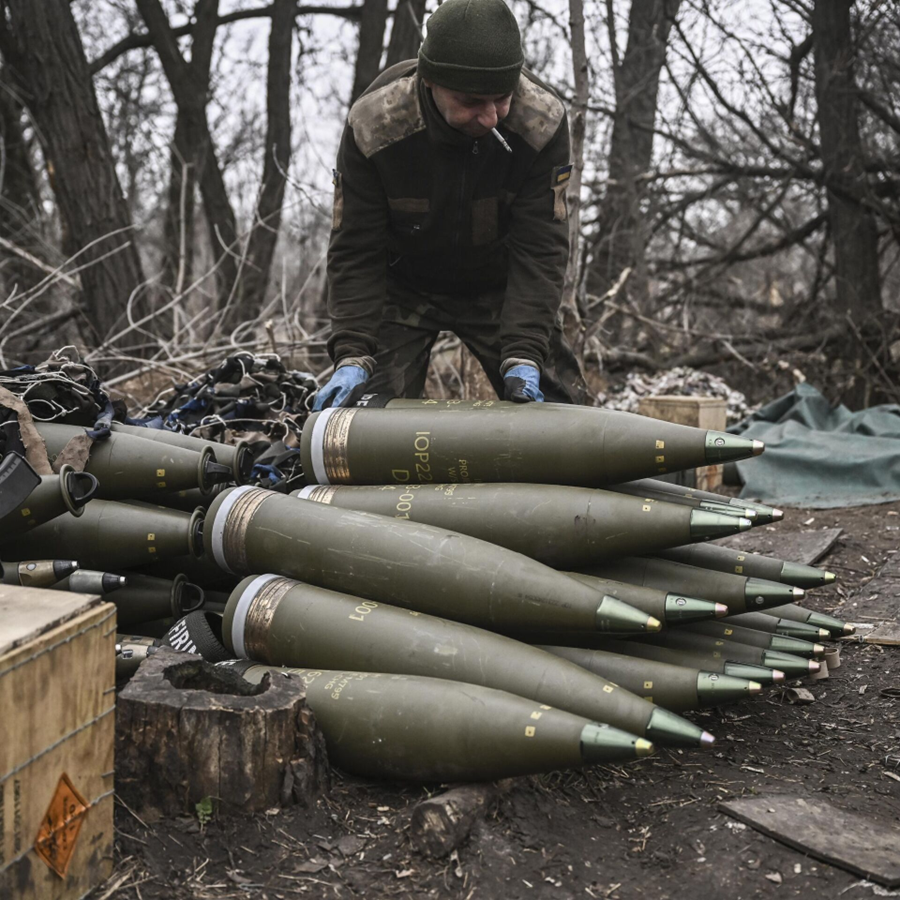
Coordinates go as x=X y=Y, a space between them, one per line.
x=822 y=457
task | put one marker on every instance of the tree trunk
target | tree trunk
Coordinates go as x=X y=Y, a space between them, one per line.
x=853 y=231
x=264 y=233
x=19 y=209
x=190 y=94
x=569 y=305
x=41 y=44
x=371 y=45
x=186 y=159
x=406 y=32
x=620 y=240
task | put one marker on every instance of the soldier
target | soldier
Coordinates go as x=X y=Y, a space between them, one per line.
x=450 y=214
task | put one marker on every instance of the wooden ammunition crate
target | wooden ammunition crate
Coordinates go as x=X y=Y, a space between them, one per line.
x=57 y=731
x=709 y=413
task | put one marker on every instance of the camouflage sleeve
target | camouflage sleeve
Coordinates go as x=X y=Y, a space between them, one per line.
x=357 y=268
x=538 y=253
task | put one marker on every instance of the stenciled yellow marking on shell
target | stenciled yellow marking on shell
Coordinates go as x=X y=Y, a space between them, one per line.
x=529 y=731
x=607 y=688
x=648 y=685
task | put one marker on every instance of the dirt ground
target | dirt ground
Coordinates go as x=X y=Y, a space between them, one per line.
x=648 y=829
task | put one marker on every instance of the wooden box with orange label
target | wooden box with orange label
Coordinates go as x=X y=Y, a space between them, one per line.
x=57 y=731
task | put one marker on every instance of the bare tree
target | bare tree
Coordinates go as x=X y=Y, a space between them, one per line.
x=190 y=92
x=371 y=45
x=406 y=32
x=620 y=239
x=853 y=229
x=264 y=233
x=41 y=45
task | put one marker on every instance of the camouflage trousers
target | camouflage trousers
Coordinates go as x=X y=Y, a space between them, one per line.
x=412 y=321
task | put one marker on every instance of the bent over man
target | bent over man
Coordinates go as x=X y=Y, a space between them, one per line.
x=450 y=214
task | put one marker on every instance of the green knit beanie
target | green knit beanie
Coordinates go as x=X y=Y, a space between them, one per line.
x=473 y=46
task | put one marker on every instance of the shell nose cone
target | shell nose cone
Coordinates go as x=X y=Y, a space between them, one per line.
x=814 y=666
x=824 y=633
x=745 y=524
x=721 y=610
x=653 y=625
x=643 y=748
x=829 y=578
x=798 y=593
x=758 y=448
x=777 y=515
x=754 y=687
x=849 y=629
x=777 y=676
x=706 y=739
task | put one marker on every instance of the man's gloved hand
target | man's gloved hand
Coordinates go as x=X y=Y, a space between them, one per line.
x=522 y=384
x=339 y=387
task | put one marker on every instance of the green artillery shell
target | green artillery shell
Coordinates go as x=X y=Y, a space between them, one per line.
x=188 y=501
x=692 y=659
x=147 y=597
x=662 y=605
x=837 y=627
x=738 y=562
x=89 y=581
x=675 y=688
x=766 y=641
x=720 y=507
x=539 y=443
x=280 y=621
x=428 y=729
x=560 y=526
x=735 y=651
x=763 y=622
x=737 y=592
x=113 y=536
x=765 y=515
x=37 y=572
x=415 y=566
x=132 y=468
x=236 y=456
x=131 y=651
x=56 y=495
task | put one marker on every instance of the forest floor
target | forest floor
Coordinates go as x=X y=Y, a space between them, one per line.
x=649 y=829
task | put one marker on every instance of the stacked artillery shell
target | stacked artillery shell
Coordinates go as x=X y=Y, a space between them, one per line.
x=428 y=729
x=40 y=573
x=146 y=598
x=794 y=613
x=737 y=562
x=564 y=527
x=280 y=621
x=540 y=443
x=674 y=687
x=676 y=493
x=415 y=566
x=135 y=468
x=112 y=536
x=56 y=495
x=737 y=592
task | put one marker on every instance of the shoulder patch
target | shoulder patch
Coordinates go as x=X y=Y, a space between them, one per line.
x=535 y=113
x=385 y=116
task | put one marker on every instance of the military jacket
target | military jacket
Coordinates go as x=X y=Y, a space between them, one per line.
x=449 y=214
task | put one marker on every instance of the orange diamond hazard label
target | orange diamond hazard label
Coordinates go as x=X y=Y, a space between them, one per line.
x=55 y=842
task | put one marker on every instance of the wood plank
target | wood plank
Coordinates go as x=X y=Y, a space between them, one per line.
x=888 y=634
x=27 y=613
x=806 y=547
x=863 y=844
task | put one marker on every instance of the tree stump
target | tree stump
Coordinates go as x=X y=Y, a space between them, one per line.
x=187 y=730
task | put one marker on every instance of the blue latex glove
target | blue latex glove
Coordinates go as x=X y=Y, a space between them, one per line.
x=339 y=387
x=523 y=384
